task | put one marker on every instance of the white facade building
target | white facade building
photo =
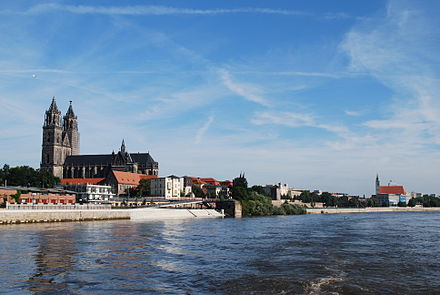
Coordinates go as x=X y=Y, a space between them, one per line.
x=92 y=193
x=276 y=191
x=171 y=187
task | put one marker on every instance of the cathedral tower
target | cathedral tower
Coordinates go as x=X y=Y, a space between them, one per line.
x=58 y=141
x=70 y=129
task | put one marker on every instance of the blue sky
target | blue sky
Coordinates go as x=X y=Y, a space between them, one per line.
x=316 y=94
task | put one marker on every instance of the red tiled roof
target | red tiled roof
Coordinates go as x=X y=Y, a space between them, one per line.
x=130 y=178
x=397 y=189
x=226 y=183
x=211 y=181
x=81 y=180
x=196 y=180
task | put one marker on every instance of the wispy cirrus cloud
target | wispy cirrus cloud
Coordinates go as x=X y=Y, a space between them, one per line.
x=400 y=52
x=295 y=120
x=168 y=10
x=245 y=90
x=352 y=113
x=202 y=130
x=14 y=71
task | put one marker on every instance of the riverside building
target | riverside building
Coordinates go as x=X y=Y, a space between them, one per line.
x=390 y=195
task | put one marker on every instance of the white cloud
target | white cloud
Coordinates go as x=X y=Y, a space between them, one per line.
x=295 y=120
x=13 y=71
x=284 y=118
x=167 y=10
x=352 y=113
x=202 y=130
x=169 y=105
x=247 y=91
x=400 y=52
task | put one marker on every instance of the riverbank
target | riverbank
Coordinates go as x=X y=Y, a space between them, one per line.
x=370 y=210
x=35 y=216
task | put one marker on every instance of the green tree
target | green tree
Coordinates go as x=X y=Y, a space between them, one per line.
x=412 y=202
x=259 y=189
x=240 y=181
x=143 y=189
x=17 y=196
x=198 y=192
x=401 y=204
x=257 y=205
x=28 y=176
x=255 y=202
x=305 y=196
x=373 y=202
x=240 y=189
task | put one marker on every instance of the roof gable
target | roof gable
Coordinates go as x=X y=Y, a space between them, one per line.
x=130 y=178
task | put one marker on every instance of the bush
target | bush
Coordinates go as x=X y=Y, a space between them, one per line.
x=401 y=204
x=256 y=203
x=292 y=209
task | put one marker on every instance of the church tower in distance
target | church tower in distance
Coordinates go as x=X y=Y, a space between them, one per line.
x=377 y=184
x=58 y=141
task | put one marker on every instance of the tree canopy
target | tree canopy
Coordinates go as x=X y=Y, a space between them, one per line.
x=27 y=176
x=255 y=202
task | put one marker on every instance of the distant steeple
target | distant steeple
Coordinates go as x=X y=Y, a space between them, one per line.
x=377 y=184
x=123 y=146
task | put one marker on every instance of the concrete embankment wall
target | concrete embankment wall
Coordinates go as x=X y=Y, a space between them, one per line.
x=369 y=210
x=166 y=213
x=25 y=216
x=29 y=216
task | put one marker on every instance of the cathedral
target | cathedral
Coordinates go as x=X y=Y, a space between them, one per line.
x=59 y=139
x=60 y=152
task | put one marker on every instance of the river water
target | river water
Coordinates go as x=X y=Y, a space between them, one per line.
x=366 y=253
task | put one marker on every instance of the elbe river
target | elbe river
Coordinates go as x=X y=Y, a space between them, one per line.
x=364 y=253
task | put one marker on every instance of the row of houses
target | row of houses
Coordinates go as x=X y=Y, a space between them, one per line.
x=125 y=184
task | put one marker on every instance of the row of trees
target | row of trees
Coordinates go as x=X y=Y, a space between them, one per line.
x=425 y=201
x=255 y=202
x=27 y=176
x=329 y=200
x=355 y=202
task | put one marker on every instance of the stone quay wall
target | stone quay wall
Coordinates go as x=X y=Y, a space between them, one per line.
x=31 y=216
x=370 y=210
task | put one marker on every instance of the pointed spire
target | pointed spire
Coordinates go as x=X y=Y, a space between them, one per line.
x=123 y=146
x=53 y=106
x=70 y=112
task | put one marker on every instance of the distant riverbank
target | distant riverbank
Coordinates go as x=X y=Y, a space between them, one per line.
x=371 y=209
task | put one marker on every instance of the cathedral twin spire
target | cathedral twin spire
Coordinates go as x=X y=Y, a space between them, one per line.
x=53 y=117
x=60 y=138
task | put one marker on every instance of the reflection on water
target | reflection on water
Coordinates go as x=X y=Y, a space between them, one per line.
x=385 y=253
x=53 y=259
